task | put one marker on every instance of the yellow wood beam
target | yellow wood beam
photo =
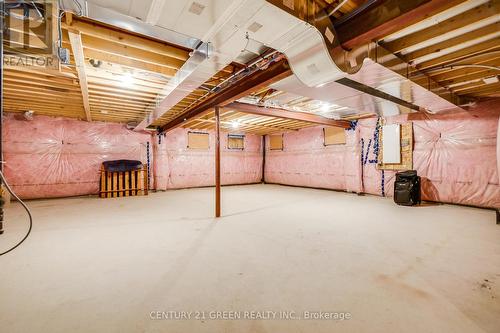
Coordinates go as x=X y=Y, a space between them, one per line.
x=127 y=39
x=77 y=47
x=471 y=16
x=451 y=58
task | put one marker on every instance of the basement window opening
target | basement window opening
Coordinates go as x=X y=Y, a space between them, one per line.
x=276 y=142
x=235 y=142
x=334 y=136
x=198 y=140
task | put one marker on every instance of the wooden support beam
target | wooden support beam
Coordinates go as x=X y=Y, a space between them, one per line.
x=381 y=18
x=69 y=18
x=280 y=113
x=474 y=15
x=371 y=22
x=217 y=161
x=263 y=179
x=260 y=79
x=77 y=47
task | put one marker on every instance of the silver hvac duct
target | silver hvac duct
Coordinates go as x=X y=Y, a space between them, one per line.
x=296 y=28
x=318 y=59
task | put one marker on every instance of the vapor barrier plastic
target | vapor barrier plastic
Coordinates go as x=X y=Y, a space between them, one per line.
x=178 y=166
x=306 y=161
x=455 y=154
x=59 y=157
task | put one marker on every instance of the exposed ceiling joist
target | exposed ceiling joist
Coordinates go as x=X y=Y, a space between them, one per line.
x=451 y=58
x=285 y=114
x=436 y=50
x=381 y=18
x=127 y=39
x=127 y=62
x=469 y=17
x=371 y=22
x=133 y=53
x=239 y=89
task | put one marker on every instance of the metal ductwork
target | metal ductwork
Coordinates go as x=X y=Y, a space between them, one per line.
x=321 y=25
x=298 y=28
x=318 y=59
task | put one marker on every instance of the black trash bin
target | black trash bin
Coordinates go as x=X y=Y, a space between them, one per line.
x=407 y=188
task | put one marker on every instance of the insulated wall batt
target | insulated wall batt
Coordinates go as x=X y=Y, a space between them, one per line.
x=454 y=153
x=58 y=157
x=178 y=166
x=306 y=161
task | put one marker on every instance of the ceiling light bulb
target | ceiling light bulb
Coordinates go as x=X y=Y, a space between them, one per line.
x=235 y=124
x=325 y=107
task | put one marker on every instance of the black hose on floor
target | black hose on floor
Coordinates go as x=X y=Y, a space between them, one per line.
x=2 y=178
x=27 y=210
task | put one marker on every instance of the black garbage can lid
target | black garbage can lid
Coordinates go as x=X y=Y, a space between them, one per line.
x=122 y=165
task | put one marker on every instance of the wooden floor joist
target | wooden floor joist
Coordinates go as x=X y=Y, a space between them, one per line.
x=285 y=114
x=413 y=29
x=77 y=47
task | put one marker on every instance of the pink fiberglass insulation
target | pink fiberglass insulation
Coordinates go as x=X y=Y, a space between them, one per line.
x=58 y=157
x=454 y=153
x=306 y=161
x=498 y=148
x=177 y=166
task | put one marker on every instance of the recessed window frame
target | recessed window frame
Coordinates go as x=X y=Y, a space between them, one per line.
x=236 y=136
x=282 y=142
x=334 y=144
x=198 y=133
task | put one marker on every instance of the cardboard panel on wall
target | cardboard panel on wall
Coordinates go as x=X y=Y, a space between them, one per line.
x=406 y=137
x=391 y=144
x=198 y=140
x=276 y=142
x=235 y=141
x=334 y=136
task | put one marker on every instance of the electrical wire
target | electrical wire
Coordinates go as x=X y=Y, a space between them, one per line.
x=27 y=210
x=471 y=65
x=63 y=10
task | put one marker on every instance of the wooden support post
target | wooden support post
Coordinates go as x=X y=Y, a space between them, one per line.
x=263 y=179
x=217 y=162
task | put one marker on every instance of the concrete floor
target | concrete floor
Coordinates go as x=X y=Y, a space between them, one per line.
x=95 y=265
